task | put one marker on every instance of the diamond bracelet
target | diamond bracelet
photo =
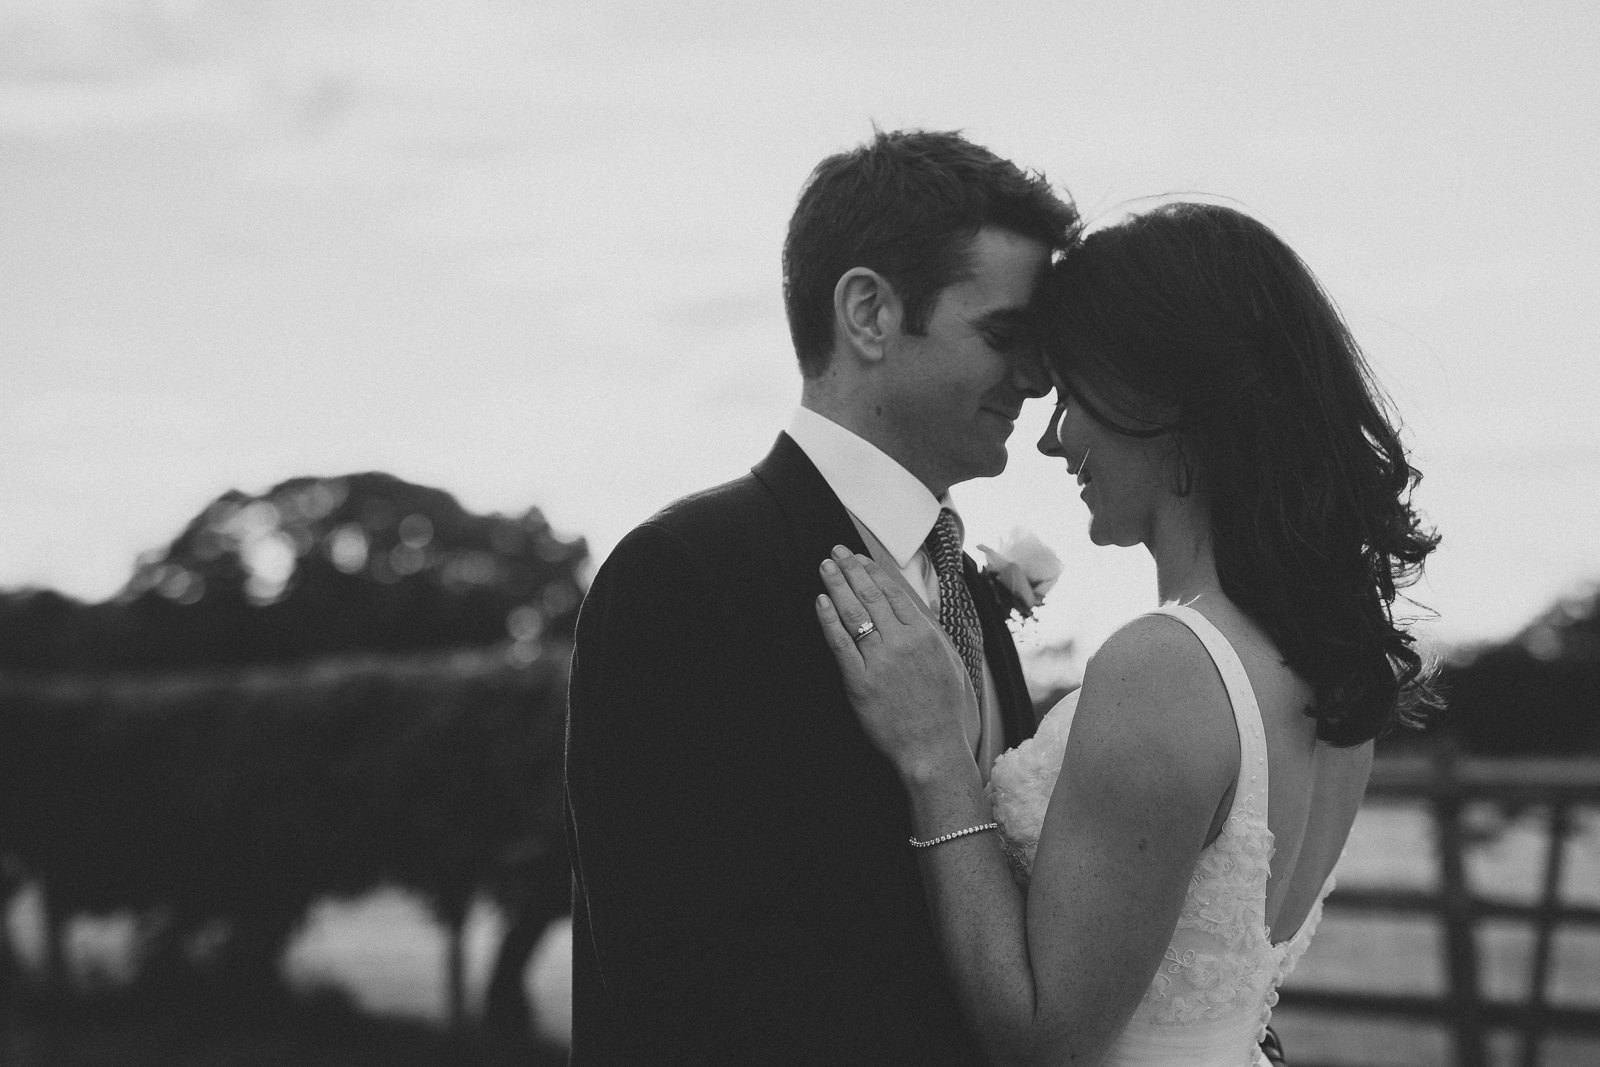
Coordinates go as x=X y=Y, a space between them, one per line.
x=941 y=839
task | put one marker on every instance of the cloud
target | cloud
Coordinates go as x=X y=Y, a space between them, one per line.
x=70 y=64
x=72 y=420
x=58 y=108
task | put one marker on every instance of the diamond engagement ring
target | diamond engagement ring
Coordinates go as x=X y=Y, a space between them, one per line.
x=863 y=630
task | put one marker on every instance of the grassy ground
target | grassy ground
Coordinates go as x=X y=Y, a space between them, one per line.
x=197 y=1028
x=385 y=956
x=1392 y=846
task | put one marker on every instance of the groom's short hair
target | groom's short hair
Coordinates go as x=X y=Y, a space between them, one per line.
x=906 y=204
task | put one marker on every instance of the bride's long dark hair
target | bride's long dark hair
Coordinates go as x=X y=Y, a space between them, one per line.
x=1196 y=322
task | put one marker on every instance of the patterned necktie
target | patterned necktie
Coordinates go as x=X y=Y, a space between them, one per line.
x=957 y=613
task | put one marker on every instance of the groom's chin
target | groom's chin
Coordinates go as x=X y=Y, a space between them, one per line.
x=997 y=460
x=992 y=469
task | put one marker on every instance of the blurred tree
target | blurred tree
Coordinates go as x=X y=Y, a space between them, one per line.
x=42 y=631
x=1536 y=694
x=215 y=805
x=313 y=566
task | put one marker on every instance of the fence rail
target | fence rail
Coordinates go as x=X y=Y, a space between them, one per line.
x=1448 y=783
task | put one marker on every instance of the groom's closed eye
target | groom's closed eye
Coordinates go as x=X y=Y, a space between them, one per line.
x=1004 y=340
x=1007 y=332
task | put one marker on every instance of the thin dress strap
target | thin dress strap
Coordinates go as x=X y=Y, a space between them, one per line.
x=1242 y=696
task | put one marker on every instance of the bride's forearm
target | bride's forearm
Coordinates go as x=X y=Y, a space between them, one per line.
x=978 y=911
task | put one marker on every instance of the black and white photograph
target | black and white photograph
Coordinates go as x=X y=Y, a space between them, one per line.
x=601 y=533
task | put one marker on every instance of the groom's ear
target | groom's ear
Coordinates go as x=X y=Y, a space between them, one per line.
x=866 y=312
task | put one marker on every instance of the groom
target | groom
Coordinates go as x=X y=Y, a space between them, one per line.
x=743 y=888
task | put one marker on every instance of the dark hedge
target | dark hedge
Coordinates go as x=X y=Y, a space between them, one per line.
x=217 y=806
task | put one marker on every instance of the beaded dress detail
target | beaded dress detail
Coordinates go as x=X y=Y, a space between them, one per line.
x=1209 y=1002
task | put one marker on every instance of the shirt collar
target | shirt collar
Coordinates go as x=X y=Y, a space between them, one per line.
x=883 y=496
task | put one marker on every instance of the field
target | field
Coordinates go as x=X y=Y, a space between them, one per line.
x=1392 y=845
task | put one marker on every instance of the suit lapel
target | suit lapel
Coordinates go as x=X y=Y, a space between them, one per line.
x=1016 y=706
x=817 y=520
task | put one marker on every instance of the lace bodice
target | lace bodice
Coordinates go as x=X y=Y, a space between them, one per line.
x=1210 y=1000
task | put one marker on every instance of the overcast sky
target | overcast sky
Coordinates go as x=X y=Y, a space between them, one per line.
x=529 y=252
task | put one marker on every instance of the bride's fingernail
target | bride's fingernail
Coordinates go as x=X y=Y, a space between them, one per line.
x=829 y=565
x=840 y=552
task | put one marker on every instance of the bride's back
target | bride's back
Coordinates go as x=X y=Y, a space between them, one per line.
x=1314 y=789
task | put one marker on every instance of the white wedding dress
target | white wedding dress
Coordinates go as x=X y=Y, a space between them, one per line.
x=1209 y=1002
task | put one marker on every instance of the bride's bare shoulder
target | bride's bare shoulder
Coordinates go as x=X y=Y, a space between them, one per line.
x=1153 y=682
x=1151 y=653
x=1153 y=726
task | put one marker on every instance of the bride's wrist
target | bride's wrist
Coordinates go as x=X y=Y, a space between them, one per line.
x=930 y=768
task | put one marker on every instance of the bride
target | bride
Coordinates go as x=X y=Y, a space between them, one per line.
x=1166 y=839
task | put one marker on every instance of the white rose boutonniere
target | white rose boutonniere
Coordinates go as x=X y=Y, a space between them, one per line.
x=1021 y=571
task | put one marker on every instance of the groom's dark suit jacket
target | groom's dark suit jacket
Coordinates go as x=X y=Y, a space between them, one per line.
x=743 y=890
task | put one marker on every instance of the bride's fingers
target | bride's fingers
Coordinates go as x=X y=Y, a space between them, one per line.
x=839 y=640
x=845 y=602
x=904 y=608
x=864 y=584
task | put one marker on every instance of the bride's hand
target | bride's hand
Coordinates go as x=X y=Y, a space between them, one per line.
x=904 y=677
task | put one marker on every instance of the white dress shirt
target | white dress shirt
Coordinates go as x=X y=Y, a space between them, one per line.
x=894 y=513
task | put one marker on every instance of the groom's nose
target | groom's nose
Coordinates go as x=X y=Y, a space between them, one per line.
x=1029 y=373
